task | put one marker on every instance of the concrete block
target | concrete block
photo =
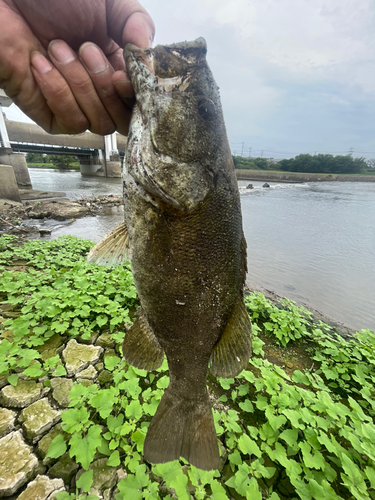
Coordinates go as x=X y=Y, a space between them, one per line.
x=8 y=184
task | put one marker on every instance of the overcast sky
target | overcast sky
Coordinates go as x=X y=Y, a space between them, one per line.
x=295 y=76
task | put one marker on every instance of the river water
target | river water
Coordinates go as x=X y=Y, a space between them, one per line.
x=313 y=243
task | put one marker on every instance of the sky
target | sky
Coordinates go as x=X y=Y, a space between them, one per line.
x=295 y=76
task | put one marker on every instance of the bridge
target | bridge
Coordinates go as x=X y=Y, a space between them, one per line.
x=97 y=155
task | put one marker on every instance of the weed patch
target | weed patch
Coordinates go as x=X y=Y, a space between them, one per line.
x=305 y=433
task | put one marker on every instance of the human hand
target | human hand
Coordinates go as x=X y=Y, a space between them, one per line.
x=61 y=61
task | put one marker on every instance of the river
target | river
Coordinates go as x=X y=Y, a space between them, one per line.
x=313 y=243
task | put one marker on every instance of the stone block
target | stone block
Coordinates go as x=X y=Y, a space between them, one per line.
x=64 y=468
x=8 y=184
x=18 y=464
x=7 y=418
x=61 y=388
x=77 y=357
x=38 y=418
x=23 y=394
x=90 y=373
x=42 y=488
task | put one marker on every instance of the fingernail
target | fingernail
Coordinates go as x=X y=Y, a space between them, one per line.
x=93 y=58
x=61 y=52
x=40 y=63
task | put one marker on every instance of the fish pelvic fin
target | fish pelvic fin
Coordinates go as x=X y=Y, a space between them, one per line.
x=231 y=354
x=183 y=428
x=140 y=347
x=113 y=249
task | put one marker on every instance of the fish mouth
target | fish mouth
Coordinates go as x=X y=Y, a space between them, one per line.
x=166 y=68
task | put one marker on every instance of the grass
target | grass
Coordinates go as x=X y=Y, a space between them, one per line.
x=297 y=423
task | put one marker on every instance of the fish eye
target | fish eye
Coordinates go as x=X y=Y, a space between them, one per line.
x=206 y=109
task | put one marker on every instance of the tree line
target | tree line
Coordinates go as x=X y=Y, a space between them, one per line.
x=59 y=161
x=320 y=163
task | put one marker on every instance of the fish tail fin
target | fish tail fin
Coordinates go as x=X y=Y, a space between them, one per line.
x=183 y=428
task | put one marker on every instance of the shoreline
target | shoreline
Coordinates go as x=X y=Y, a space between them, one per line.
x=290 y=177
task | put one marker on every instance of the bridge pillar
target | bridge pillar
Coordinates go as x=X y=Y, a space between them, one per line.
x=112 y=157
x=91 y=166
x=16 y=160
x=8 y=184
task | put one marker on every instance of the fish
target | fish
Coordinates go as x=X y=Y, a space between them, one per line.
x=183 y=234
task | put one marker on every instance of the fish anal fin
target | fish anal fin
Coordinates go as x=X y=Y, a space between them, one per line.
x=182 y=428
x=113 y=249
x=140 y=347
x=231 y=354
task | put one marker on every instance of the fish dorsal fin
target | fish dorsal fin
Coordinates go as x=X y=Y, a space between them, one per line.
x=141 y=348
x=231 y=354
x=113 y=249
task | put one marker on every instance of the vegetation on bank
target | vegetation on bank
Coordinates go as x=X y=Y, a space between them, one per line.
x=297 y=423
x=306 y=163
x=60 y=162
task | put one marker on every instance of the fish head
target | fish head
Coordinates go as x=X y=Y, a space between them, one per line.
x=177 y=98
x=177 y=126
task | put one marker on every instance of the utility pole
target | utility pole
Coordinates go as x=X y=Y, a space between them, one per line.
x=351 y=151
x=249 y=153
x=261 y=155
x=243 y=144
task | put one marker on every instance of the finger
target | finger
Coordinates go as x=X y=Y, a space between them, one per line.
x=67 y=117
x=129 y=22
x=81 y=86
x=101 y=72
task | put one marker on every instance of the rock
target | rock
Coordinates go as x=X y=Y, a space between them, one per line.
x=7 y=418
x=106 y=340
x=90 y=373
x=42 y=488
x=64 y=468
x=61 y=388
x=38 y=418
x=249 y=186
x=25 y=393
x=99 y=367
x=266 y=185
x=104 y=377
x=77 y=357
x=104 y=477
x=51 y=347
x=17 y=464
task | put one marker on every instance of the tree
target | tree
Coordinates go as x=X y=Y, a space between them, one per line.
x=34 y=158
x=61 y=161
x=323 y=163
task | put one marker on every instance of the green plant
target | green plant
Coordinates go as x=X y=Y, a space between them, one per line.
x=306 y=434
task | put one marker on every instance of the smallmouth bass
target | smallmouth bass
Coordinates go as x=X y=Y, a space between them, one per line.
x=183 y=233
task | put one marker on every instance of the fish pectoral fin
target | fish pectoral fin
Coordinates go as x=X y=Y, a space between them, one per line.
x=140 y=347
x=113 y=249
x=231 y=354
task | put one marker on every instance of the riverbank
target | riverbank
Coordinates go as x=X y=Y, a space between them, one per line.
x=74 y=414
x=13 y=215
x=290 y=177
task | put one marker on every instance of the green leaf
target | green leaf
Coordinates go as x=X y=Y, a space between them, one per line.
x=134 y=410
x=370 y=473
x=247 y=406
x=110 y=362
x=114 y=459
x=73 y=420
x=57 y=448
x=300 y=378
x=84 y=447
x=248 y=446
x=253 y=492
x=60 y=371
x=85 y=481
x=13 y=379
x=290 y=436
x=218 y=492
